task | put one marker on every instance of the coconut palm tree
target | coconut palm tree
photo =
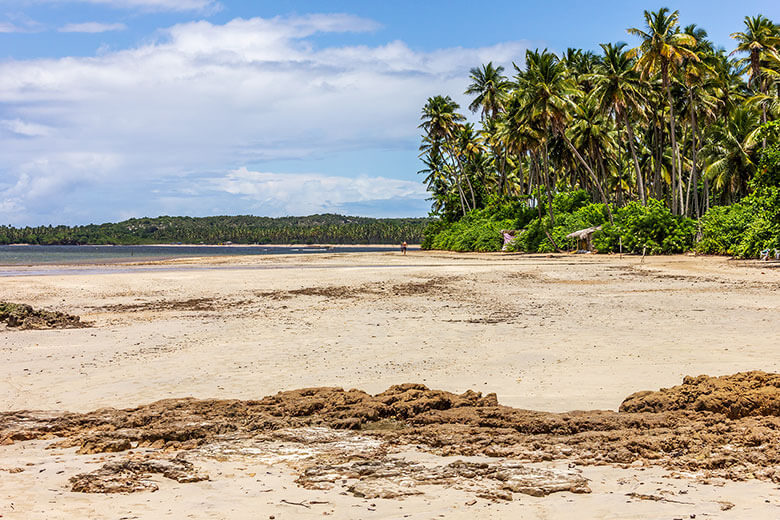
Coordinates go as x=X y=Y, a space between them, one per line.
x=617 y=88
x=699 y=85
x=440 y=121
x=730 y=152
x=548 y=91
x=490 y=87
x=661 y=51
x=761 y=36
x=592 y=132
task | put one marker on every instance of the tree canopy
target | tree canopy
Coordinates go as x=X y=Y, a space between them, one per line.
x=672 y=119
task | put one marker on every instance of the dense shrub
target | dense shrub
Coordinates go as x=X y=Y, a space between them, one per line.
x=744 y=229
x=479 y=230
x=651 y=229
x=752 y=225
x=471 y=235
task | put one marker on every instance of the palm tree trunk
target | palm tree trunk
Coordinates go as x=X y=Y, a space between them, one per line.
x=692 y=179
x=658 y=137
x=471 y=189
x=460 y=183
x=532 y=172
x=547 y=185
x=461 y=195
x=639 y=180
x=539 y=210
x=590 y=172
x=763 y=108
x=672 y=125
x=502 y=172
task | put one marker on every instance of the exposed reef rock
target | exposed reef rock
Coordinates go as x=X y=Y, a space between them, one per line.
x=741 y=395
x=720 y=426
x=130 y=476
x=18 y=315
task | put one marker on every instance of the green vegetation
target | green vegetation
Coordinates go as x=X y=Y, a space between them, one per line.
x=243 y=229
x=753 y=224
x=636 y=228
x=669 y=146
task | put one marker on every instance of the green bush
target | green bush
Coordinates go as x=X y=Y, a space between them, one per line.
x=471 y=235
x=744 y=229
x=651 y=229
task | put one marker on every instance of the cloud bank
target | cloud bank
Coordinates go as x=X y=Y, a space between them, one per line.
x=185 y=123
x=146 y=5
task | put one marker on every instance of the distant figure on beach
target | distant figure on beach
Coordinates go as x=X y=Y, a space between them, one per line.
x=403 y=247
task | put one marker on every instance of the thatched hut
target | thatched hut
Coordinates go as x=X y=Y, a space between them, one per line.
x=584 y=237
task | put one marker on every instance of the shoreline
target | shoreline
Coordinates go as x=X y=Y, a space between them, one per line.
x=288 y=250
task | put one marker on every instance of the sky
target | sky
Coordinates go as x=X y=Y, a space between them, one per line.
x=111 y=109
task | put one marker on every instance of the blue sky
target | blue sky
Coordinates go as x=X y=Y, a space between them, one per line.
x=111 y=109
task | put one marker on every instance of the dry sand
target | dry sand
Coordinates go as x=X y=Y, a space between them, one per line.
x=545 y=333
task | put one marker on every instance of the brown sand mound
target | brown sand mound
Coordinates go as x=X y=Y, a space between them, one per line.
x=25 y=317
x=740 y=395
x=723 y=440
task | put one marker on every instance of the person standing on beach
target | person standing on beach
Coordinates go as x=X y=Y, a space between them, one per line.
x=403 y=247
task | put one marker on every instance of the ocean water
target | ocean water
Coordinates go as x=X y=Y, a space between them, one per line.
x=53 y=255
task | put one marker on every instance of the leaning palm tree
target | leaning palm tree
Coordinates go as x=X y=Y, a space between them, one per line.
x=618 y=90
x=490 y=88
x=661 y=51
x=761 y=36
x=440 y=121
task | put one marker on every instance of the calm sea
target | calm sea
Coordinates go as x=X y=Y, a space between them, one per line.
x=41 y=255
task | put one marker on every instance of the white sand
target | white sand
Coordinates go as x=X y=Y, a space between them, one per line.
x=571 y=332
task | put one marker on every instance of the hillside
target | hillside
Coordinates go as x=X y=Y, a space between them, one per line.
x=243 y=229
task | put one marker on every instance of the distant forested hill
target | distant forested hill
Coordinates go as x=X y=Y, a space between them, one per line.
x=242 y=229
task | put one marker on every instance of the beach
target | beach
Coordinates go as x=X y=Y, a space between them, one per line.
x=552 y=333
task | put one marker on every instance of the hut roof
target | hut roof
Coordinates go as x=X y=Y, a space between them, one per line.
x=583 y=234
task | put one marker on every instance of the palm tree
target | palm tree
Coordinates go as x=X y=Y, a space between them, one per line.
x=594 y=133
x=761 y=35
x=730 y=152
x=548 y=93
x=490 y=88
x=618 y=90
x=699 y=87
x=440 y=121
x=662 y=50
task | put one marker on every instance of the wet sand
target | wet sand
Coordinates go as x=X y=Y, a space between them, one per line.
x=544 y=333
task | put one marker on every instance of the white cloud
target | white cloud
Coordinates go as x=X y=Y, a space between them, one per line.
x=6 y=27
x=167 y=5
x=92 y=27
x=26 y=129
x=306 y=193
x=18 y=23
x=148 y=5
x=209 y=98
